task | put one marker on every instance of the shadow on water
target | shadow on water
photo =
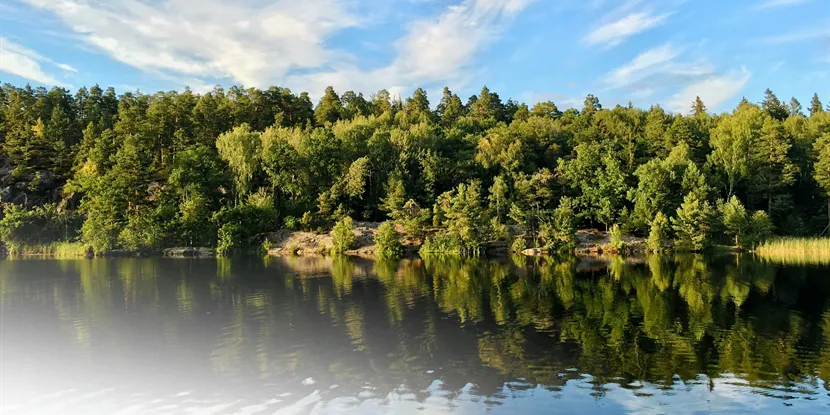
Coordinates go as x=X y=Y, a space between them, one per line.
x=327 y=334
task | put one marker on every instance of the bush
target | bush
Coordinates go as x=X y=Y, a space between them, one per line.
x=387 y=242
x=735 y=221
x=747 y=231
x=498 y=230
x=307 y=221
x=659 y=233
x=228 y=235
x=617 y=243
x=42 y=225
x=560 y=232
x=760 y=229
x=692 y=225
x=342 y=236
x=242 y=227
x=441 y=244
x=290 y=222
x=519 y=244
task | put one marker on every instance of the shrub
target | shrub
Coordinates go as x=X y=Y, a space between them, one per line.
x=735 y=220
x=519 y=244
x=659 y=233
x=39 y=226
x=441 y=244
x=692 y=225
x=307 y=221
x=243 y=227
x=342 y=235
x=617 y=243
x=560 y=231
x=228 y=236
x=387 y=242
x=290 y=222
x=760 y=229
x=498 y=230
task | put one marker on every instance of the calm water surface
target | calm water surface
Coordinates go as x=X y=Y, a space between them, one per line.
x=686 y=334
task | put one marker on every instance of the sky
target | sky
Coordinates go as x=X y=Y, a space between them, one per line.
x=647 y=52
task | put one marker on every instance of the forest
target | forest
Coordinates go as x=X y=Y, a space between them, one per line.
x=139 y=172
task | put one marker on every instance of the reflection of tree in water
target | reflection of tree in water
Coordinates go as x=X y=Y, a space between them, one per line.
x=460 y=321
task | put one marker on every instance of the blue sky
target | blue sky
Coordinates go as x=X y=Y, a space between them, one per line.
x=644 y=51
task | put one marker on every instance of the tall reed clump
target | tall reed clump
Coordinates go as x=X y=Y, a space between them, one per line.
x=796 y=250
x=55 y=249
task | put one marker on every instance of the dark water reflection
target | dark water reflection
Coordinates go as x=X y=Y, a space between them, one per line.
x=685 y=334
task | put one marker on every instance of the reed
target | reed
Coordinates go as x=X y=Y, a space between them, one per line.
x=796 y=250
x=55 y=249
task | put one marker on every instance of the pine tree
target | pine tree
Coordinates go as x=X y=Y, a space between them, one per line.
x=698 y=109
x=773 y=106
x=795 y=107
x=329 y=110
x=773 y=171
x=815 y=105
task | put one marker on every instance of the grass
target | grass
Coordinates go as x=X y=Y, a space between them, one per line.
x=55 y=249
x=796 y=250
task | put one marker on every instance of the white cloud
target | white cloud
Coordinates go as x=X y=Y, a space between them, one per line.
x=771 y=4
x=712 y=90
x=797 y=36
x=261 y=42
x=247 y=41
x=436 y=47
x=657 y=59
x=66 y=67
x=439 y=48
x=26 y=63
x=617 y=31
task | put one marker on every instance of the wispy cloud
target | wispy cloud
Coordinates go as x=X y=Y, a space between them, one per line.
x=796 y=36
x=712 y=90
x=773 y=4
x=66 y=67
x=646 y=63
x=26 y=63
x=436 y=48
x=667 y=71
x=245 y=41
x=626 y=21
x=284 y=41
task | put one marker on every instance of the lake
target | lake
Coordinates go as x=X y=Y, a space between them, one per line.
x=680 y=335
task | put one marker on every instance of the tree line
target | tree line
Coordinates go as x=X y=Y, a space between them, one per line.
x=139 y=172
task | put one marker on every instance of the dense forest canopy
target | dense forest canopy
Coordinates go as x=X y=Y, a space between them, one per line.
x=137 y=171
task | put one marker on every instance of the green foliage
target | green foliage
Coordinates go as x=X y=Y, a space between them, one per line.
x=240 y=148
x=172 y=168
x=796 y=250
x=442 y=243
x=746 y=230
x=658 y=235
x=241 y=227
x=466 y=219
x=387 y=242
x=560 y=231
x=290 y=222
x=519 y=244
x=229 y=235
x=760 y=229
x=42 y=225
x=693 y=224
x=617 y=243
x=342 y=235
x=735 y=220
